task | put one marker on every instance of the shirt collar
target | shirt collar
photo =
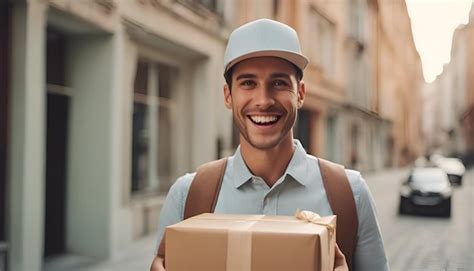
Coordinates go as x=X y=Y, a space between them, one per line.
x=297 y=168
x=241 y=172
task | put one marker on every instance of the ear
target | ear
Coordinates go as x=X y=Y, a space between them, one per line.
x=301 y=94
x=227 y=97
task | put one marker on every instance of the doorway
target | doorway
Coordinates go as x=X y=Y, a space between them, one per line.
x=5 y=53
x=57 y=115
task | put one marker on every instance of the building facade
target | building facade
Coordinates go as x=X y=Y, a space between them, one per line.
x=399 y=80
x=109 y=101
x=449 y=100
x=366 y=129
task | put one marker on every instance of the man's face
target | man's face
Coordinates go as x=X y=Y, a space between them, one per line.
x=264 y=100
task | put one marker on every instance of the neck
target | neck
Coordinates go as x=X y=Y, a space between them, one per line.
x=269 y=164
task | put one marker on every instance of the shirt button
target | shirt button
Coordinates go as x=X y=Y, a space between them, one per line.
x=254 y=180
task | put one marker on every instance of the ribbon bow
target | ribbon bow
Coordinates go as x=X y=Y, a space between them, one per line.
x=314 y=218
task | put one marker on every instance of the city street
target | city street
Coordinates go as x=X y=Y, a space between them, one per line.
x=422 y=242
x=413 y=243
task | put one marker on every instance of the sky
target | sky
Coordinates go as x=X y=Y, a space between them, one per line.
x=433 y=23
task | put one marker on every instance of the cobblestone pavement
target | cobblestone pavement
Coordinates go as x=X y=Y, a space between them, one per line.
x=422 y=242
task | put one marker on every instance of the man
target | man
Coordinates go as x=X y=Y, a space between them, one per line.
x=270 y=173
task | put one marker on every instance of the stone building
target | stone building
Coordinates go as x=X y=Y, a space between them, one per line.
x=449 y=100
x=108 y=102
x=399 y=80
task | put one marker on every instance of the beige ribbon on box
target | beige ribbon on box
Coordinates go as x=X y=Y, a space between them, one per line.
x=315 y=219
x=239 y=245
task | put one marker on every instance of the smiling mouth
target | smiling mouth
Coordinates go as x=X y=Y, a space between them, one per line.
x=264 y=120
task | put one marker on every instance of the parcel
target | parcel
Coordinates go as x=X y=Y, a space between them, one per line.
x=250 y=242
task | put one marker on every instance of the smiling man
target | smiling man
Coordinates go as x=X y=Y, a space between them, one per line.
x=270 y=172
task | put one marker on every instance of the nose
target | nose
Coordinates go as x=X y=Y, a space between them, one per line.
x=264 y=97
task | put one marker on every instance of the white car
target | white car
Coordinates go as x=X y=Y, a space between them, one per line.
x=428 y=191
x=452 y=166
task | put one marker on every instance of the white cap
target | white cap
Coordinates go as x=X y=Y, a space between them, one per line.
x=264 y=37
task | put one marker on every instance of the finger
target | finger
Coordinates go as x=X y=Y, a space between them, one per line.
x=340 y=260
x=339 y=252
x=157 y=264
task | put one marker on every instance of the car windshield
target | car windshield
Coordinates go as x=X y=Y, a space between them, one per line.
x=452 y=162
x=428 y=175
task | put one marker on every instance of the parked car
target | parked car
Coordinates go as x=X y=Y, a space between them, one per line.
x=427 y=190
x=453 y=167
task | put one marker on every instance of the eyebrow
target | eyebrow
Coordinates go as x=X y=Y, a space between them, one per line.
x=252 y=76
x=245 y=76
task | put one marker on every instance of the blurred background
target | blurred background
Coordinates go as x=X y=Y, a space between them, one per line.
x=104 y=103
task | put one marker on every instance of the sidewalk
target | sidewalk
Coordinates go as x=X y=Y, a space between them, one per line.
x=136 y=256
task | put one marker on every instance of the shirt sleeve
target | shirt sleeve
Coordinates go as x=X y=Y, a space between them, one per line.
x=173 y=208
x=370 y=252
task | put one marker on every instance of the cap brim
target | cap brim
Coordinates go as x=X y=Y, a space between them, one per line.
x=298 y=60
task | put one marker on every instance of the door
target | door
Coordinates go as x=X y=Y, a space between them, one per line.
x=57 y=115
x=56 y=145
x=5 y=9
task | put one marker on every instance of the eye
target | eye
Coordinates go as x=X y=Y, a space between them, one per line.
x=247 y=84
x=280 y=83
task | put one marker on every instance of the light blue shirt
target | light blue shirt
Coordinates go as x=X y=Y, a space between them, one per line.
x=300 y=187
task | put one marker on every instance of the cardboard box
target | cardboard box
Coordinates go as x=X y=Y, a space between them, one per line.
x=250 y=242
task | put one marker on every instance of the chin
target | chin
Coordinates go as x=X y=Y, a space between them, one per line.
x=265 y=144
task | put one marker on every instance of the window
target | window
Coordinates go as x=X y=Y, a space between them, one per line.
x=358 y=77
x=152 y=127
x=322 y=42
x=356 y=20
x=302 y=129
x=211 y=5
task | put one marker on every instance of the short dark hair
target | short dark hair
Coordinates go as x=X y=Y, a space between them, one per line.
x=230 y=72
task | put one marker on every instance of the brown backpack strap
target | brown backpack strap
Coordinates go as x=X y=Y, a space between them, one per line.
x=341 y=199
x=205 y=188
x=203 y=192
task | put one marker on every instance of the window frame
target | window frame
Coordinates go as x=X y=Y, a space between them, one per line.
x=153 y=183
x=323 y=41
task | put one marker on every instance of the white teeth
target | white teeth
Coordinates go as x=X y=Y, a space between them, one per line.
x=263 y=119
